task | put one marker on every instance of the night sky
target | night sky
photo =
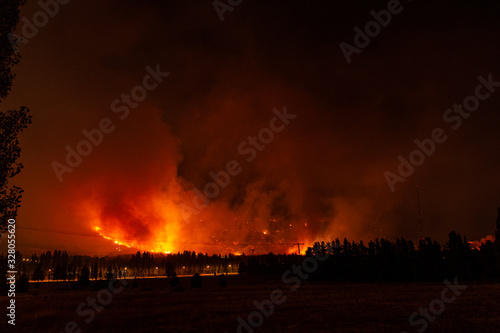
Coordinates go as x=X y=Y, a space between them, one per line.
x=320 y=177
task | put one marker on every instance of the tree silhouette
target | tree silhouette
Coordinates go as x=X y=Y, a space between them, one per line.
x=175 y=281
x=84 y=279
x=486 y=260
x=38 y=274
x=497 y=231
x=109 y=276
x=497 y=241
x=458 y=256
x=9 y=55
x=23 y=284
x=3 y=274
x=12 y=122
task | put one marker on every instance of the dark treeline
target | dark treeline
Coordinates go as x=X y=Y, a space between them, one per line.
x=383 y=260
x=58 y=265
x=379 y=260
x=402 y=260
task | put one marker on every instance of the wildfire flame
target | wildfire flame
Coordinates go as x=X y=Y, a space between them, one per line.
x=146 y=246
x=477 y=244
x=138 y=205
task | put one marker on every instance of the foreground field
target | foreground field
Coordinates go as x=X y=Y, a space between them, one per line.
x=314 y=307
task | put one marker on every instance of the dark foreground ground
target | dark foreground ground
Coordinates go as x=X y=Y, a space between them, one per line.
x=314 y=307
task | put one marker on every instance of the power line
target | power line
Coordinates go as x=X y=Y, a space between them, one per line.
x=130 y=239
x=58 y=231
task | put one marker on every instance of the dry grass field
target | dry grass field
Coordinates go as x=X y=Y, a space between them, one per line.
x=314 y=307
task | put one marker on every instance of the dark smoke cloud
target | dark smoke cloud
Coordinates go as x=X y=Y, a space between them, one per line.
x=325 y=169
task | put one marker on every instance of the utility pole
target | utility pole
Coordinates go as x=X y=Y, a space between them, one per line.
x=298 y=245
x=419 y=214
